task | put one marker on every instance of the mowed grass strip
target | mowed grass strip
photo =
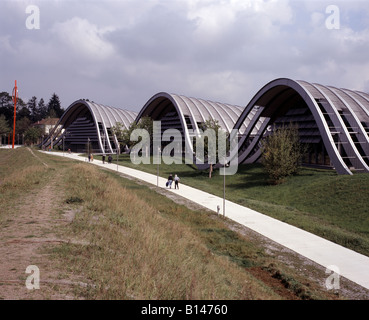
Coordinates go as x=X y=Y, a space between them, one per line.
x=332 y=206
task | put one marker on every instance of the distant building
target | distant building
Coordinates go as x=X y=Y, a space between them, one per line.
x=46 y=124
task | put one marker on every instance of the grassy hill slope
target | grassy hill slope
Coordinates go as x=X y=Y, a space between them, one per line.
x=126 y=241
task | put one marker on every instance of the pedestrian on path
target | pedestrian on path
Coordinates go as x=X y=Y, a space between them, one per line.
x=176 y=181
x=110 y=158
x=103 y=158
x=170 y=181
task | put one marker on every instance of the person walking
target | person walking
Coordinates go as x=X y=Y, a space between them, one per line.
x=170 y=181
x=103 y=158
x=176 y=181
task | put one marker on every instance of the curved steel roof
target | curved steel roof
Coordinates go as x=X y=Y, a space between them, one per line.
x=104 y=118
x=341 y=118
x=196 y=111
x=341 y=115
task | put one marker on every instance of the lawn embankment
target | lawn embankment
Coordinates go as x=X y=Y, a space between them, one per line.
x=320 y=201
x=20 y=171
x=126 y=241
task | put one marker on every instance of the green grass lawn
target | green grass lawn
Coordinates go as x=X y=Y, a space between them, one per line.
x=319 y=201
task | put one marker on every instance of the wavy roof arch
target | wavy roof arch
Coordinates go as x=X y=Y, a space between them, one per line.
x=103 y=117
x=191 y=112
x=336 y=112
x=341 y=118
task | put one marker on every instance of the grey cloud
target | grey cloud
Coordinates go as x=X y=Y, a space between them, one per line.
x=162 y=35
x=158 y=45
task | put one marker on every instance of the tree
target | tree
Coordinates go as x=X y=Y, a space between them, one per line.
x=124 y=134
x=22 y=125
x=23 y=112
x=21 y=104
x=32 y=107
x=281 y=153
x=32 y=135
x=41 y=109
x=54 y=108
x=121 y=133
x=5 y=99
x=4 y=126
x=6 y=106
x=53 y=114
x=211 y=148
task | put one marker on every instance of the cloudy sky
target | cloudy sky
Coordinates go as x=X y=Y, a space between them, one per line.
x=122 y=52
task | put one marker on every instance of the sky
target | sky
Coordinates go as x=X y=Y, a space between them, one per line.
x=122 y=52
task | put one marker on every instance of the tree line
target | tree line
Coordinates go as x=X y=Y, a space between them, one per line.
x=27 y=114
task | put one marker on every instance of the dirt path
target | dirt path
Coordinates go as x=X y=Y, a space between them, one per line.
x=24 y=238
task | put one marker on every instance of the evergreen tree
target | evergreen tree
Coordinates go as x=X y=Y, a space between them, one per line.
x=54 y=104
x=42 y=110
x=52 y=114
x=32 y=107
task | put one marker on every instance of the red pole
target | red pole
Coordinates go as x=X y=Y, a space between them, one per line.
x=15 y=93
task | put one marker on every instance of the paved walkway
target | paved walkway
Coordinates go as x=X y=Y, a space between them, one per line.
x=351 y=265
x=9 y=146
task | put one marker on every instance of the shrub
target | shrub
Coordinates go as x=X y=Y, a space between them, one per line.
x=281 y=152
